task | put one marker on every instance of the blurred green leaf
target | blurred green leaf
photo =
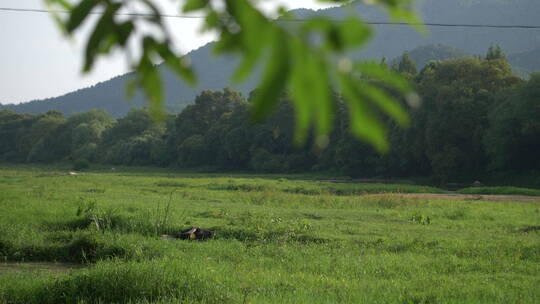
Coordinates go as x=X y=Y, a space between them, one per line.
x=253 y=36
x=310 y=89
x=211 y=21
x=56 y=16
x=156 y=15
x=363 y=121
x=123 y=31
x=354 y=32
x=193 y=5
x=385 y=102
x=131 y=88
x=150 y=81
x=79 y=13
x=274 y=78
x=409 y=17
x=101 y=35
x=377 y=72
x=300 y=91
x=177 y=64
x=182 y=68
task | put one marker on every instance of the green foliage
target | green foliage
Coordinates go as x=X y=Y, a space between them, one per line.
x=20 y=133
x=294 y=60
x=495 y=53
x=513 y=137
x=76 y=137
x=134 y=140
x=81 y=164
x=406 y=65
x=266 y=162
x=457 y=96
x=192 y=151
x=102 y=220
x=420 y=219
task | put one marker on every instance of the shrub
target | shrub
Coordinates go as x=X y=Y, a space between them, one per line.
x=266 y=162
x=81 y=164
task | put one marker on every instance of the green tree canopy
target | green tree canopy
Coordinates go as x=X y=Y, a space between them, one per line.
x=458 y=95
x=407 y=65
x=513 y=137
x=494 y=53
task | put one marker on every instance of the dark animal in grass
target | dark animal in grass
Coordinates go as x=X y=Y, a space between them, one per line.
x=196 y=233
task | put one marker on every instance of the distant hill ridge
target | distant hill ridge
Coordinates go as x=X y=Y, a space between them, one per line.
x=522 y=47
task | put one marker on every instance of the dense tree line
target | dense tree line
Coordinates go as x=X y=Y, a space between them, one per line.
x=477 y=119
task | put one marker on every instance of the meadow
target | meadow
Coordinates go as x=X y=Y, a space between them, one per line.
x=96 y=237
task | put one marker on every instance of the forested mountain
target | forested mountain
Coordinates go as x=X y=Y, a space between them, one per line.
x=111 y=95
x=478 y=121
x=522 y=45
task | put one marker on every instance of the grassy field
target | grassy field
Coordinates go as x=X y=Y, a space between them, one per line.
x=96 y=237
x=500 y=190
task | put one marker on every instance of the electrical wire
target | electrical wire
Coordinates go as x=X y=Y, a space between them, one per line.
x=497 y=26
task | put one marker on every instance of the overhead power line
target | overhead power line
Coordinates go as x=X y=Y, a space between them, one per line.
x=498 y=26
x=34 y=10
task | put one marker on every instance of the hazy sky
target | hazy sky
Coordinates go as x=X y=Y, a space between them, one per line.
x=37 y=62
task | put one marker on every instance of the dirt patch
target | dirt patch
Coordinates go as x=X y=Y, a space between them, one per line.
x=39 y=266
x=467 y=197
